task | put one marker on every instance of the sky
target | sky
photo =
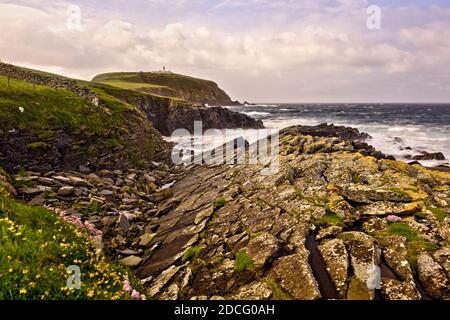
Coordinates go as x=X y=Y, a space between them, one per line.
x=256 y=50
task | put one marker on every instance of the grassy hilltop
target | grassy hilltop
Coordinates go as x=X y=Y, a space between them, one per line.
x=167 y=84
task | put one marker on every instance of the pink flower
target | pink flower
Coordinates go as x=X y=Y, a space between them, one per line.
x=393 y=218
x=135 y=294
x=126 y=285
x=76 y=221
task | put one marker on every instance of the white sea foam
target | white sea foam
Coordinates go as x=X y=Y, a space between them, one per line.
x=257 y=113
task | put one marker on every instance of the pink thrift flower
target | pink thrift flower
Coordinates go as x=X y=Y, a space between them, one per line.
x=135 y=294
x=126 y=286
x=393 y=218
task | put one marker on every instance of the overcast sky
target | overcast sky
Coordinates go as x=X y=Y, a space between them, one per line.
x=257 y=50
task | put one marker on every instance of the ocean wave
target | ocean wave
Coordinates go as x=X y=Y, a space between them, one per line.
x=257 y=113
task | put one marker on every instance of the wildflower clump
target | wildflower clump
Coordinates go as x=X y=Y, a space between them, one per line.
x=37 y=247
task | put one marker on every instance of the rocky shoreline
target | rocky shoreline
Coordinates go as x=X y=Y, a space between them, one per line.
x=337 y=210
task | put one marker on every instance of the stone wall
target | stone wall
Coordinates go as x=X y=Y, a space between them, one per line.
x=53 y=81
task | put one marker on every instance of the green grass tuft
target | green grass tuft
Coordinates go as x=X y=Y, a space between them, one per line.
x=191 y=253
x=329 y=219
x=219 y=203
x=243 y=262
x=356 y=178
x=439 y=213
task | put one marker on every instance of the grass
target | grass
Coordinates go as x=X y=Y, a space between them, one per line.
x=330 y=219
x=112 y=142
x=219 y=203
x=168 y=84
x=439 y=213
x=243 y=262
x=356 y=179
x=277 y=292
x=46 y=108
x=130 y=85
x=415 y=244
x=37 y=247
x=94 y=207
x=191 y=253
x=401 y=229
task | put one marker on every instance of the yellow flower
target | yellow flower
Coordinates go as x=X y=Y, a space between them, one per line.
x=38 y=276
x=10 y=270
x=32 y=284
x=23 y=291
x=24 y=271
x=9 y=257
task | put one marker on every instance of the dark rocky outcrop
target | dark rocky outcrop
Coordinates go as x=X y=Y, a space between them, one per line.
x=429 y=156
x=330 y=130
x=167 y=115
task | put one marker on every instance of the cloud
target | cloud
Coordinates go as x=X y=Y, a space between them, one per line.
x=327 y=55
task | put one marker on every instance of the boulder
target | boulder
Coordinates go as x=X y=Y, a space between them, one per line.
x=294 y=275
x=328 y=232
x=123 y=222
x=76 y=181
x=395 y=254
x=364 y=259
x=429 y=156
x=263 y=249
x=374 y=224
x=442 y=256
x=30 y=191
x=253 y=291
x=367 y=194
x=384 y=208
x=146 y=238
x=343 y=210
x=162 y=280
x=392 y=289
x=433 y=277
x=65 y=191
x=444 y=229
x=130 y=261
x=335 y=257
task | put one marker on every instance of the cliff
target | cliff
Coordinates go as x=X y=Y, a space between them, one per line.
x=168 y=114
x=168 y=85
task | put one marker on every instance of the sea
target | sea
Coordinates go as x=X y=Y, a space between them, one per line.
x=401 y=130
